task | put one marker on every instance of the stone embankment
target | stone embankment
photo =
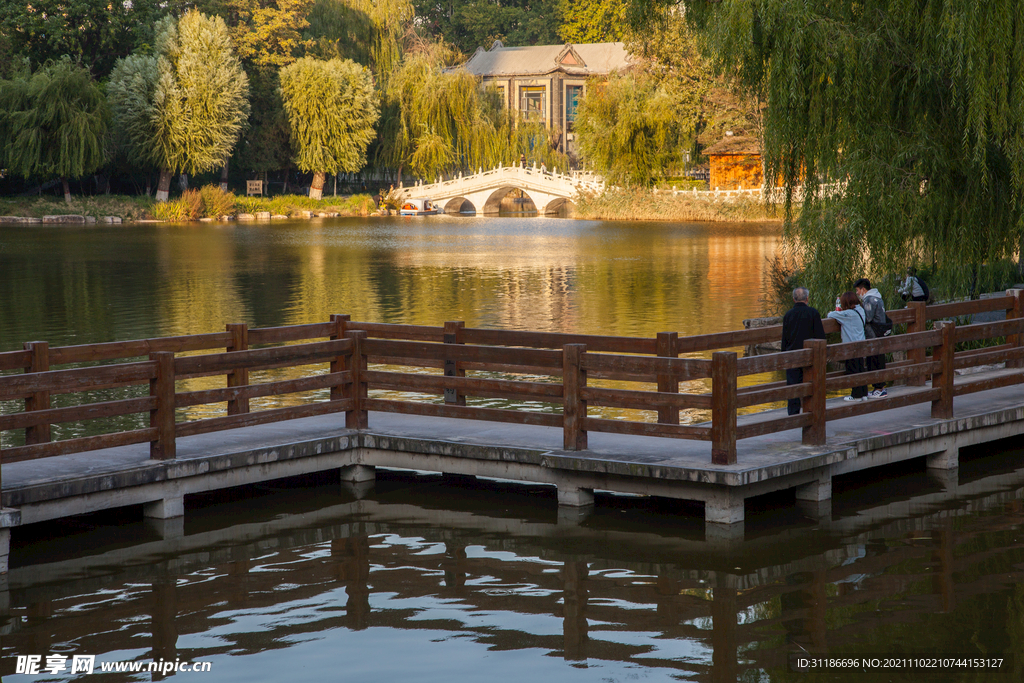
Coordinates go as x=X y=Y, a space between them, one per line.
x=66 y=219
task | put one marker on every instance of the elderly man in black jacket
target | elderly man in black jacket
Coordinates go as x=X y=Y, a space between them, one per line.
x=799 y=324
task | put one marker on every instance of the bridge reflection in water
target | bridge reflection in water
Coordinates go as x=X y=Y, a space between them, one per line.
x=423 y=578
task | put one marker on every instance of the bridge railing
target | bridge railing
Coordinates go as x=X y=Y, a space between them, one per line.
x=539 y=378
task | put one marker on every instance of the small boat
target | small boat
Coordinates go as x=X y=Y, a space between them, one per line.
x=418 y=207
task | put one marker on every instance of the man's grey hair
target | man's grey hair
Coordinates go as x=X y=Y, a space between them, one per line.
x=800 y=294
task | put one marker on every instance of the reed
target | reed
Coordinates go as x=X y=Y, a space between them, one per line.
x=644 y=205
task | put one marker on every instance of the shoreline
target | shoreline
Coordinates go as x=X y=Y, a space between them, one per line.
x=615 y=205
x=648 y=205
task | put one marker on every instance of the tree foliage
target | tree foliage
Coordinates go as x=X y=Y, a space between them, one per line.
x=592 y=21
x=370 y=32
x=53 y=123
x=183 y=107
x=635 y=128
x=92 y=32
x=268 y=34
x=441 y=120
x=468 y=24
x=331 y=107
x=914 y=107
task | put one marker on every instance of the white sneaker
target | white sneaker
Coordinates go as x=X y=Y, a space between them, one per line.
x=851 y=398
x=878 y=393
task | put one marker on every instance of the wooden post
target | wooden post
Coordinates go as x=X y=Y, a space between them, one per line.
x=40 y=400
x=1017 y=312
x=454 y=332
x=723 y=407
x=338 y=364
x=356 y=417
x=667 y=383
x=943 y=407
x=238 y=378
x=574 y=407
x=917 y=356
x=162 y=416
x=814 y=405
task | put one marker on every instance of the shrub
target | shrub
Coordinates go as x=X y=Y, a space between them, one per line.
x=187 y=207
x=217 y=202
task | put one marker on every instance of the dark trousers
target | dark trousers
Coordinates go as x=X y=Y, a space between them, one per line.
x=876 y=363
x=855 y=366
x=794 y=376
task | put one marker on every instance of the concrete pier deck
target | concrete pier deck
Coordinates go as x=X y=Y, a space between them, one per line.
x=55 y=487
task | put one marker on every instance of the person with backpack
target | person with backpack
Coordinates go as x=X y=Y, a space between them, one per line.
x=850 y=317
x=913 y=288
x=877 y=326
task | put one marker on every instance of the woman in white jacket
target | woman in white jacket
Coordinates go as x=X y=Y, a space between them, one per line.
x=851 y=326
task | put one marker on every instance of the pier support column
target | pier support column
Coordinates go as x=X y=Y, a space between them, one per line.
x=817 y=490
x=172 y=506
x=724 y=506
x=8 y=517
x=574 y=496
x=5 y=550
x=946 y=459
x=358 y=473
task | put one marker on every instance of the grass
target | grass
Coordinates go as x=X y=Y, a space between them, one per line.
x=207 y=202
x=127 y=207
x=644 y=205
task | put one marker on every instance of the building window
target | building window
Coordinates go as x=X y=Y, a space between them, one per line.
x=532 y=102
x=572 y=100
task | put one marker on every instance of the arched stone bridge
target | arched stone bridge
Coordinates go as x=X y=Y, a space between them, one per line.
x=485 y=190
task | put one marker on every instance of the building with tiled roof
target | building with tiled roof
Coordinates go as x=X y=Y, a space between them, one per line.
x=545 y=82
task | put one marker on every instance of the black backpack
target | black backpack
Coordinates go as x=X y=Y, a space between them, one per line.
x=883 y=329
x=924 y=288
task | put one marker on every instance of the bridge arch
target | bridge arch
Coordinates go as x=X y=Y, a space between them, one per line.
x=557 y=204
x=493 y=204
x=458 y=205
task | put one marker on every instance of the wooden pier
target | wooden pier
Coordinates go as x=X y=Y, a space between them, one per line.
x=403 y=392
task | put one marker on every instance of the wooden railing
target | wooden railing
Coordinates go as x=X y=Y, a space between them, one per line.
x=555 y=369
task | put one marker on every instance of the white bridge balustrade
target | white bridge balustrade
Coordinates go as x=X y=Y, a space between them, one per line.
x=549 y=190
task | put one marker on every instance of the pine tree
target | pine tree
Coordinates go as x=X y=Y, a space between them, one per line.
x=331 y=107
x=53 y=123
x=182 y=108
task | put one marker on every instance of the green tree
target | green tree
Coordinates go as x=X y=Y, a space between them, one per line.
x=53 y=123
x=92 y=32
x=468 y=24
x=182 y=108
x=440 y=120
x=370 y=32
x=267 y=33
x=902 y=120
x=592 y=21
x=636 y=128
x=331 y=109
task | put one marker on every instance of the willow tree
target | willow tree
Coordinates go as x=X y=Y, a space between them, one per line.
x=53 y=123
x=370 y=32
x=903 y=120
x=183 y=107
x=636 y=128
x=441 y=120
x=331 y=109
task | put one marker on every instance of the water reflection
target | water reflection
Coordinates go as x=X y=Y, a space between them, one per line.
x=78 y=285
x=425 y=578
x=75 y=285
